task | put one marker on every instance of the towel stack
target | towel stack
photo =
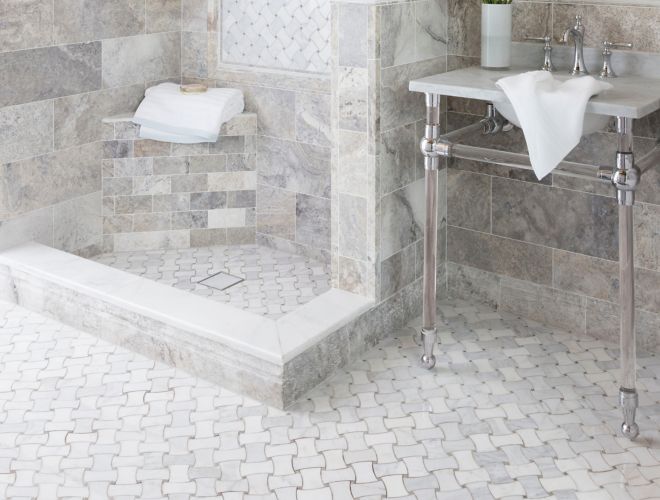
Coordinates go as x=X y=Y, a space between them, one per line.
x=168 y=115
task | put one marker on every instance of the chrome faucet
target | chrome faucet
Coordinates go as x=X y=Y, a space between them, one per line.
x=577 y=33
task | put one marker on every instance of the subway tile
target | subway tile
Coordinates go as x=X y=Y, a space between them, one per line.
x=242 y=199
x=155 y=240
x=78 y=118
x=113 y=224
x=191 y=183
x=117 y=186
x=26 y=130
x=82 y=20
x=163 y=15
x=177 y=202
x=115 y=149
x=192 y=220
x=78 y=223
x=133 y=204
x=241 y=235
x=208 y=163
x=171 y=165
x=227 y=217
x=201 y=148
x=143 y=222
x=208 y=237
x=313 y=221
x=558 y=218
x=68 y=174
x=302 y=168
x=45 y=73
x=500 y=255
x=132 y=167
x=586 y=275
x=276 y=212
x=228 y=145
x=141 y=58
x=232 y=181
x=208 y=201
x=238 y=162
x=468 y=200
x=151 y=184
x=26 y=24
x=149 y=148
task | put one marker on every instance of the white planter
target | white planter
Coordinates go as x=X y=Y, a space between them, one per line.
x=496 y=36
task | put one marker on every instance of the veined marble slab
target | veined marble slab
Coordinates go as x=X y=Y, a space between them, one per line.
x=631 y=97
x=245 y=351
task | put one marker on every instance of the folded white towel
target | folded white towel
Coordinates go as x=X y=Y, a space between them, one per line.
x=167 y=114
x=551 y=113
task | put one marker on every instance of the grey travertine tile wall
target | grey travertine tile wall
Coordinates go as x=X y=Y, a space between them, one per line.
x=293 y=138
x=548 y=250
x=63 y=67
x=158 y=195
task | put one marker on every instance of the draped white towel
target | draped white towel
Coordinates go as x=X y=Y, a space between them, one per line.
x=168 y=115
x=551 y=113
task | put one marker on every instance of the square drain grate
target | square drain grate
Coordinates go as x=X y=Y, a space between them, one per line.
x=221 y=281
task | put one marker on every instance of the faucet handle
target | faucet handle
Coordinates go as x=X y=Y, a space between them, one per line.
x=547 y=49
x=608 y=71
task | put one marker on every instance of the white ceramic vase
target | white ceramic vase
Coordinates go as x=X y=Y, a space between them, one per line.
x=496 y=36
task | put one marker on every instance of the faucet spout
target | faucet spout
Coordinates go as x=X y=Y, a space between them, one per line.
x=577 y=34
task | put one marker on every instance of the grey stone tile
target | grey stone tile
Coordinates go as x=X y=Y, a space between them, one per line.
x=313 y=118
x=113 y=150
x=133 y=204
x=116 y=186
x=229 y=145
x=190 y=220
x=33 y=226
x=468 y=200
x=352 y=35
x=397 y=158
x=352 y=102
x=143 y=222
x=45 y=73
x=397 y=271
x=238 y=162
x=77 y=223
x=78 y=118
x=399 y=105
x=352 y=237
x=276 y=212
x=163 y=15
x=190 y=183
x=531 y=20
x=469 y=283
x=586 y=275
x=397 y=24
x=302 y=168
x=557 y=218
x=26 y=130
x=178 y=202
x=242 y=199
x=647 y=236
x=207 y=237
x=500 y=255
x=141 y=58
x=207 y=163
x=313 y=221
x=83 y=20
x=241 y=235
x=151 y=184
x=146 y=147
x=402 y=218
x=208 y=201
x=117 y=224
x=464 y=33
x=543 y=304
x=194 y=54
x=131 y=167
x=432 y=25
x=276 y=111
x=26 y=24
x=171 y=165
x=68 y=174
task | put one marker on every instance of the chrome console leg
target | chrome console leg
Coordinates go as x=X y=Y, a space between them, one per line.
x=625 y=178
x=431 y=165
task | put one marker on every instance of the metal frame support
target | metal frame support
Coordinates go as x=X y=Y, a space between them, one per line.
x=432 y=159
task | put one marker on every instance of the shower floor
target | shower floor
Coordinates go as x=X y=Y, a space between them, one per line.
x=273 y=284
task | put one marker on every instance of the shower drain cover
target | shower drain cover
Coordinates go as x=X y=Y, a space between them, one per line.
x=221 y=281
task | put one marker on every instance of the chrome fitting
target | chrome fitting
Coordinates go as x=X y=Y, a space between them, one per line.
x=629 y=402
x=428 y=342
x=433 y=150
x=625 y=178
x=494 y=122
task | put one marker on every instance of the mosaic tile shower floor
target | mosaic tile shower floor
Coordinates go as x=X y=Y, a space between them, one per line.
x=513 y=411
x=275 y=282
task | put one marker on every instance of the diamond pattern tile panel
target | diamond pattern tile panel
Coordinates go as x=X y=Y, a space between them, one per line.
x=279 y=34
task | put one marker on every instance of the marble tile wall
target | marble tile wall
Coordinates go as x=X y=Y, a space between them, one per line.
x=378 y=186
x=548 y=250
x=293 y=137
x=63 y=67
x=158 y=195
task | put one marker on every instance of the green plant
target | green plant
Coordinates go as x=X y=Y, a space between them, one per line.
x=498 y=2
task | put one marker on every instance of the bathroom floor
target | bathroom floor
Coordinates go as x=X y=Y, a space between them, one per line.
x=513 y=410
x=273 y=282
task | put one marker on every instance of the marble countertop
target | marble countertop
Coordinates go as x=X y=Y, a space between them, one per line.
x=631 y=97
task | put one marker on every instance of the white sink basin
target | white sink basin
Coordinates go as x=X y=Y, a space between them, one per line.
x=592 y=123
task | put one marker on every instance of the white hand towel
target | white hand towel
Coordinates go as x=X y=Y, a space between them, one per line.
x=551 y=113
x=190 y=117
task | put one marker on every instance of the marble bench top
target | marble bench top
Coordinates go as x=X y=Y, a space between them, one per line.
x=631 y=97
